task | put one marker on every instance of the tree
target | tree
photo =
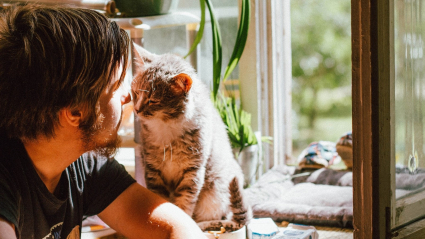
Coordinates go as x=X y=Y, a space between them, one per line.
x=321 y=55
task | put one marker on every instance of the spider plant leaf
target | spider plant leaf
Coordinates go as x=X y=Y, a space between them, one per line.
x=267 y=139
x=241 y=38
x=242 y=138
x=217 y=50
x=200 y=33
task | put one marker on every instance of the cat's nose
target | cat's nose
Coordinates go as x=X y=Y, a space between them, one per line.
x=125 y=98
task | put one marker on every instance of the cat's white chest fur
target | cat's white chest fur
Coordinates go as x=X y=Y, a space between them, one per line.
x=164 y=133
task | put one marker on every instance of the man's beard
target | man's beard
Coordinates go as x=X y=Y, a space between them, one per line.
x=106 y=148
x=109 y=148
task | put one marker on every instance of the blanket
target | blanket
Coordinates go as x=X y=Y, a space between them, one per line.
x=323 y=198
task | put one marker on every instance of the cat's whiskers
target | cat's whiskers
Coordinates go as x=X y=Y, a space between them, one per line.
x=171 y=152
x=152 y=86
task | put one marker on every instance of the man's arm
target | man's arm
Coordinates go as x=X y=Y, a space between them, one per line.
x=139 y=213
x=7 y=229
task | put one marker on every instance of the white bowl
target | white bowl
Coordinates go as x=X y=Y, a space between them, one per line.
x=238 y=234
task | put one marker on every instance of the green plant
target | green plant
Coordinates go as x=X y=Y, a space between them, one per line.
x=238 y=48
x=237 y=121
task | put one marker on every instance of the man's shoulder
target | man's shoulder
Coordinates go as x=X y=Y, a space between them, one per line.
x=91 y=157
x=90 y=162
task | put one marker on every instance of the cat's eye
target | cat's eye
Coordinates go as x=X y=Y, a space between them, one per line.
x=137 y=92
x=153 y=102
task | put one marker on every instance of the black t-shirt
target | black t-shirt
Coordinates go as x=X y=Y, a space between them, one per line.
x=86 y=187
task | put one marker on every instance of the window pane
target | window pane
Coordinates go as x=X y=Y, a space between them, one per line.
x=321 y=69
x=409 y=33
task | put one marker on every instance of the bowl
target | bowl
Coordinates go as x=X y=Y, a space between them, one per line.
x=142 y=8
x=238 y=234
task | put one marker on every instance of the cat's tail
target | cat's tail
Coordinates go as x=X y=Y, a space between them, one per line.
x=242 y=212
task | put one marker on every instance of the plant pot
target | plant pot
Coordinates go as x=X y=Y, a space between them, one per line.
x=142 y=8
x=248 y=160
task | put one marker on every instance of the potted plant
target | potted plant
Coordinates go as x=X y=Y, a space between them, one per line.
x=244 y=141
x=138 y=8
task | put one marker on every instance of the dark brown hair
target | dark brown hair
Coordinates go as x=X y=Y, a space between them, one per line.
x=53 y=57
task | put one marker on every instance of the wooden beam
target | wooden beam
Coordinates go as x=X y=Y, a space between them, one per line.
x=371 y=93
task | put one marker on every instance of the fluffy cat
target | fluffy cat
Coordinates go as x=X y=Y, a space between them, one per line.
x=185 y=148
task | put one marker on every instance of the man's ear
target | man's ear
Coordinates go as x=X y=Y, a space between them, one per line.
x=70 y=116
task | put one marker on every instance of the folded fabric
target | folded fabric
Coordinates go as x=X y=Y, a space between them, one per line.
x=323 y=198
x=318 y=155
x=331 y=177
x=275 y=195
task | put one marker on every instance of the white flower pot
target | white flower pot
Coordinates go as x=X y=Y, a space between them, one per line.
x=248 y=160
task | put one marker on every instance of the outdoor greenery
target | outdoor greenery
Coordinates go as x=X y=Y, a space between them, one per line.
x=321 y=69
x=321 y=59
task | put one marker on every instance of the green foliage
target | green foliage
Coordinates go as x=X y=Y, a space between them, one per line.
x=240 y=38
x=237 y=121
x=217 y=49
x=238 y=48
x=200 y=30
x=321 y=61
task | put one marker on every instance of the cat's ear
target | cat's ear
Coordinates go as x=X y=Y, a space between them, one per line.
x=141 y=55
x=181 y=83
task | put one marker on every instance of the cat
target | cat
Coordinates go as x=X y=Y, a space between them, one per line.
x=186 y=152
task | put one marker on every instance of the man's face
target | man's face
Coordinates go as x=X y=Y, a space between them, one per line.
x=103 y=136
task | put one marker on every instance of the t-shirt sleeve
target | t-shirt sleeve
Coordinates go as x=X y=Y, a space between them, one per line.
x=105 y=180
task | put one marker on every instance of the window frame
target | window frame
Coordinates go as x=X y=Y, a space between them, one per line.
x=265 y=88
x=372 y=83
x=374 y=203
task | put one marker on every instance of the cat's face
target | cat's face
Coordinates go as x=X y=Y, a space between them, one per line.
x=160 y=87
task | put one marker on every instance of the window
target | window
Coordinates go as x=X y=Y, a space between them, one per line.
x=266 y=83
x=321 y=71
x=386 y=117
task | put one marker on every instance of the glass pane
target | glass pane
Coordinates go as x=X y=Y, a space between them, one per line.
x=409 y=32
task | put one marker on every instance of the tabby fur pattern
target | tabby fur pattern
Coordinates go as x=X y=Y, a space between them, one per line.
x=186 y=152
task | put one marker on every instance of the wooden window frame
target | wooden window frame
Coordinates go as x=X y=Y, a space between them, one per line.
x=372 y=135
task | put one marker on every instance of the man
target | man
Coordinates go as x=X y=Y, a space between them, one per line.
x=60 y=80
